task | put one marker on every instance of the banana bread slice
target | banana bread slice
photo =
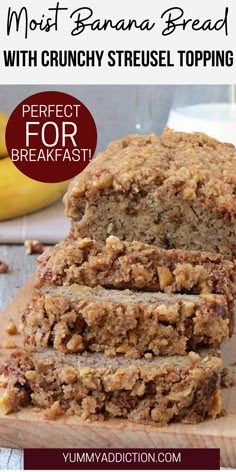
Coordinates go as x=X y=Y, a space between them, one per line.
x=135 y=265
x=177 y=191
x=78 y=318
x=174 y=389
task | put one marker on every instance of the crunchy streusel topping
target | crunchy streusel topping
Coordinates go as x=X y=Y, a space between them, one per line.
x=194 y=166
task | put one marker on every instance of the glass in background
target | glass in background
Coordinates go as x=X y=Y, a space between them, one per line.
x=151 y=107
x=143 y=109
x=207 y=108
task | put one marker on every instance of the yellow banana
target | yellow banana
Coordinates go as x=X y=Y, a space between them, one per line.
x=20 y=195
x=3 y=124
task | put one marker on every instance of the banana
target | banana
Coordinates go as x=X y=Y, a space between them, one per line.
x=20 y=195
x=3 y=124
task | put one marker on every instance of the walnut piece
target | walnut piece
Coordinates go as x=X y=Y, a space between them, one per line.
x=11 y=328
x=122 y=349
x=3 y=267
x=3 y=381
x=114 y=244
x=103 y=181
x=75 y=344
x=68 y=374
x=5 y=403
x=31 y=375
x=188 y=308
x=148 y=356
x=165 y=277
x=9 y=345
x=54 y=411
x=85 y=243
x=32 y=246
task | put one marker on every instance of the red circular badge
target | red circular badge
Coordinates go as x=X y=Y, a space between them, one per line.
x=51 y=136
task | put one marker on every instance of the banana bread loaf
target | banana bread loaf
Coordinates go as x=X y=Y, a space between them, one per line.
x=177 y=191
x=173 y=389
x=78 y=318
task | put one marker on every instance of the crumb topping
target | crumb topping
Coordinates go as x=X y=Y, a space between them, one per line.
x=192 y=165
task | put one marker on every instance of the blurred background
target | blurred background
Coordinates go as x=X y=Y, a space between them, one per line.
x=119 y=110
x=114 y=108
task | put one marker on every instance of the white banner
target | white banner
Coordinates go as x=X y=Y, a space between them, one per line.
x=125 y=42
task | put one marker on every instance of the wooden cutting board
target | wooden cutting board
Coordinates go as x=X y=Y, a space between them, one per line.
x=31 y=429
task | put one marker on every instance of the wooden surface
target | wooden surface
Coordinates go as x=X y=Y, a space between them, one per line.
x=30 y=429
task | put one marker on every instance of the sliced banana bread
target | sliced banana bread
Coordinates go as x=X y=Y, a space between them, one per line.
x=177 y=191
x=77 y=318
x=174 y=389
x=135 y=265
